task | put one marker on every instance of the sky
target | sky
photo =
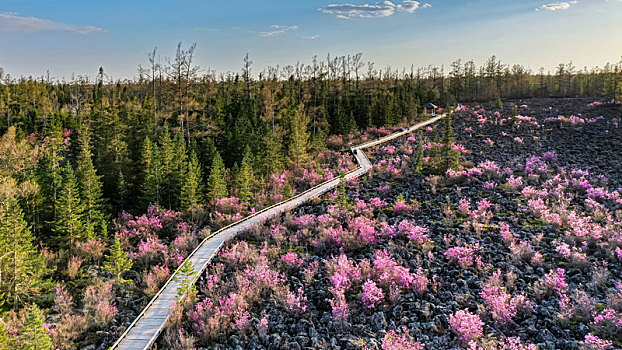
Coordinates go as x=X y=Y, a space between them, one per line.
x=77 y=36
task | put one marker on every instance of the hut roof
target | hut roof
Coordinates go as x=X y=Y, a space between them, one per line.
x=429 y=105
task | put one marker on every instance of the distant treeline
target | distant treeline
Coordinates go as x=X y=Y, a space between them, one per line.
x=265 y=115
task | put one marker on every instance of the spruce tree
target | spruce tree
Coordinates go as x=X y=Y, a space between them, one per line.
x=192 y=189
x=89 y=183
x=272 y=157
x=185 y=275
x=117 y=261
x=217 y=184
x=167 y=165
x=50 y=169
x=21 y=265
x=207 y=155
x=245 y=177
x=150 y=185
x=342 y=193
x=68 y=225
x=178 y=170
x=299 y=137
x=34 y=335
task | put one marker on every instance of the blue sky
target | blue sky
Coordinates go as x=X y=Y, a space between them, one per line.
x=71 y=36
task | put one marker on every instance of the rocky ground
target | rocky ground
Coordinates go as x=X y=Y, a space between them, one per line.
x=520 y=247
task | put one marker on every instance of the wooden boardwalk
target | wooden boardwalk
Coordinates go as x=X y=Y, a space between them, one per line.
x=143 y=332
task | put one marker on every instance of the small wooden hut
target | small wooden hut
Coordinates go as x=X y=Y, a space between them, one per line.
x=429 y=108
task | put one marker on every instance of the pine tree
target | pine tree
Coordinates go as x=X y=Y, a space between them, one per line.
x=34 y=335
x=245 y=177
x=89 y=183
x=68 y=225
x=117 y=261
x=21 y=266
x=272 y=157
x=299 y=137
x=217 y=184
x=166 y=160
x=123 y=189
x=50 y=171
x=178 y=170
x=207 y=155
x=185 y=276
x=150 y=186
x=342 y=193
x=5 y=341
x=192 y=189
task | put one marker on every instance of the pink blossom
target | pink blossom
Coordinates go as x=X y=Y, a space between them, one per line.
x=296 y=302
x=394 y=341
x=594 y=342
x=415 y=233
x=466 y=325
x=291 y=260
x=371 y=294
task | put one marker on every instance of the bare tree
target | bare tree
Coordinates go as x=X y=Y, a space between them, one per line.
x=154 y=67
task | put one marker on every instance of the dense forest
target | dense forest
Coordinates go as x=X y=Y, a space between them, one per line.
x=85 y=161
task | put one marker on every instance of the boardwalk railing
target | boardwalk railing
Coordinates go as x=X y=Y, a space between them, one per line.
x=145 y=329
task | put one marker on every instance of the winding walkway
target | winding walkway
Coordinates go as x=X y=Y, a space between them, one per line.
x=145 y=329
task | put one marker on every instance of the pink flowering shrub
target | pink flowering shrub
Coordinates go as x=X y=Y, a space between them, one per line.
x=150 y=252
x=228 y=210
x=92 y=249
x=463 y=256
x=63 y=301
x=377 y=203
x=187 y=239
x=466 y=325
x=291 y=260
x=342 y=274
x=555 y=281
x=514 y=183
x=506 y=344
x=73 y=266
x=364 y=228
x=608 y=323
x=211 y=318
x=371 y=294
x=98 y=303
x=155 y=278
x=502 y=306
x=417 y=234
x=395 y=277
x=311 y=271
x=402 y=208
x=593 y=342
x=339 y=306
x=296 y=302
x=394 y=341
x=240 y=253
x=305 y=221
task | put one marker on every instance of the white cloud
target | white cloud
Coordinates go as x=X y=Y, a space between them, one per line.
x=379 y=9
x=408 y=6
x=426 y=5
x=10 y=21
x=310 y=37
x=562 y=5
x=277 y=30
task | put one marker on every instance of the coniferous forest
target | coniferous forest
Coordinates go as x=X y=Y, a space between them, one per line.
x=107 y=185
